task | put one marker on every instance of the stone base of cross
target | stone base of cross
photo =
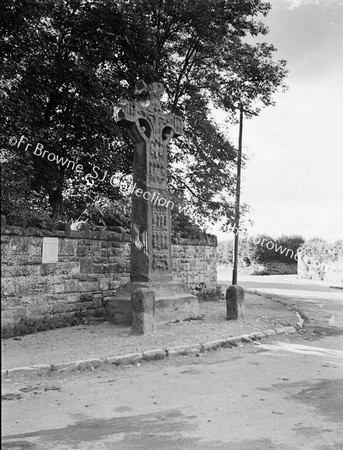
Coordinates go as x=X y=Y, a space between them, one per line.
x=173 y=302
x=151 y=130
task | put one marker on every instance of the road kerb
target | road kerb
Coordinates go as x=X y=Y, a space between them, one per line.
x=269 y=332
x=148 y=355
x=214 y=345
x=279 y=330
x=290 y=330
x=151 y=355
x=232 y=341
x=41 y=368
x=257 y=335
x=131 y=358
x=82 y=364
x=184 y=350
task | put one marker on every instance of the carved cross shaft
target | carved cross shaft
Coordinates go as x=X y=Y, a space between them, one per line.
x=151 y=130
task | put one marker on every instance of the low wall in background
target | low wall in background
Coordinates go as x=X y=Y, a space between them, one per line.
x=278 y=268
x=90 y=265
x=275 y=268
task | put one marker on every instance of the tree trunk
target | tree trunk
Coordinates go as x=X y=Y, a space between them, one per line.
x=56 y=201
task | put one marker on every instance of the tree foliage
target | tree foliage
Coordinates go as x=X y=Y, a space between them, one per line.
x=251 y=253
x=318 y=257
x=65 y=63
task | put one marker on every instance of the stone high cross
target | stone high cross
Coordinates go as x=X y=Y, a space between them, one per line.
x=151 y=287
x=151 y=130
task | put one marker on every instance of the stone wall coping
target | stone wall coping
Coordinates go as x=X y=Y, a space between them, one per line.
x=98 y=233
x=102 y=233
x=209 y=240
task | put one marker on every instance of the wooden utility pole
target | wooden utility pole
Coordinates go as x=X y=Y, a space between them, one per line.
x=238 y=197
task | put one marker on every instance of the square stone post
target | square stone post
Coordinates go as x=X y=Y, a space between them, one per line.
x=235 y=303
x=143 y=311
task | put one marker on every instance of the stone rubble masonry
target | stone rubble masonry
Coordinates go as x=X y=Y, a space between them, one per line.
x=91 y=265
x=195 y=261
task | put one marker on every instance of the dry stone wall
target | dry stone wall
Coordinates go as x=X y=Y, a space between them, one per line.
x=90 y=265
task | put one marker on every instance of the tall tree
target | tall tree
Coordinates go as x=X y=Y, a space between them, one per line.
x=66 y=62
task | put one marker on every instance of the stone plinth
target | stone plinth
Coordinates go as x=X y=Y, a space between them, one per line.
x=172 y=302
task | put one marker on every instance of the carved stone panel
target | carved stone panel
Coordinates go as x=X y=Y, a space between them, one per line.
x=151 y=130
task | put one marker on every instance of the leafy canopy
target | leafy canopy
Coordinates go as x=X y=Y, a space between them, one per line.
x=65 y=63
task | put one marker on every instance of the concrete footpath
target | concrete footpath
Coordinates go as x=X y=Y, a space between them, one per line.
x=90 y=345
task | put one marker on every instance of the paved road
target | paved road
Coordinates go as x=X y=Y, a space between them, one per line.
x=283 y=393
x=321 y=304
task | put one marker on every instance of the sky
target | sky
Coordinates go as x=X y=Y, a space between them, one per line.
x=293 y=181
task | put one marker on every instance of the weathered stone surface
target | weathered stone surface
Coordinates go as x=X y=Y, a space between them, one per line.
x=194 y=264
x=88 y=286
x=279 y=330
x=48 y=269
x=172 y=300
x=159 y=353
x=36 y=287
x=245 y=338
x=72 y=286
x=58 y=289
x=68 y=247
x=151 y=131
x=269 y=332
x=234 y=303
x=184 y=350
x=42 y=368
x=232 y=341
x=143 y=311
x=86 y=264
x=290 y=329
x=131 y=358
x=3 y=223
x=86 y=297
x=257 y=335
x=19 y=312
x=213 y=345
x=89 y=364
x=65 y=367
x=58 y=286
